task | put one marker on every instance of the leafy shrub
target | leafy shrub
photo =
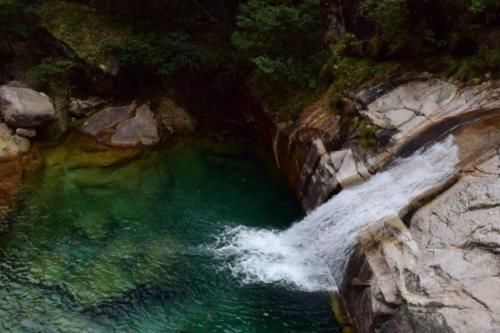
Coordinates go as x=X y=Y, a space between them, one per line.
x=161 y=54
x=52 y=74
x=17 y=17
x=487 y=60
x=481 y=6
x=391 y=18
x=281 y=41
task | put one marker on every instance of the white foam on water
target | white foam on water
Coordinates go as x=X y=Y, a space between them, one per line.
x=312 y=254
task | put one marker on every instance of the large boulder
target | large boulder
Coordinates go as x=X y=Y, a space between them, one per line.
x=140 y=130
x=26 y=108
x=175 y=118
x=106 y=120
x=129 y=126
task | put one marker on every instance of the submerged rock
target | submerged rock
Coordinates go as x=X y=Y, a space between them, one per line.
x=26 y=108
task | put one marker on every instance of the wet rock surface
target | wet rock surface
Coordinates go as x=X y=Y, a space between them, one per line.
x=415 y=113
x=437 y=271
x=441 y=274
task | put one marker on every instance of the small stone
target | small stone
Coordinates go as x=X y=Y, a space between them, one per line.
x=25 y=132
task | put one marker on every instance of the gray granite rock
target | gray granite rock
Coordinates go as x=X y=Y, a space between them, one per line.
x=442 y=274
x=139 y=130
x=26 y=132
x=26 y=108
x=106 y=119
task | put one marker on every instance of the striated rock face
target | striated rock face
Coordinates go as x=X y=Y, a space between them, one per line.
x=26 y=108
x=438 y=271
x=414 y=113
x=441 y=274
x=123 y=126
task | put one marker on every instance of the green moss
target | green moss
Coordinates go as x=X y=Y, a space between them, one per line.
x=52 y=75
x=367 y=134
x=485 y=61
x=341 y=73
x=83 y=28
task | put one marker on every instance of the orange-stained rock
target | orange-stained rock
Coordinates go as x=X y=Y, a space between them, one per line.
x=11 y=176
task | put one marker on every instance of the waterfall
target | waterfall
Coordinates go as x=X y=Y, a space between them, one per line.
x=312 y=254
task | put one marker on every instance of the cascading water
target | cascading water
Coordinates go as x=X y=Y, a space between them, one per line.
x=312 y=254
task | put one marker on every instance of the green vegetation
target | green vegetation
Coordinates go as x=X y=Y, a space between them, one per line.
x=161 y=54
x=52 y=74
x=486 y=60
x=480 y=6
x=267 y=35
x=17 y=17
x=392 y=20
x=85 y=29
x=276 y=46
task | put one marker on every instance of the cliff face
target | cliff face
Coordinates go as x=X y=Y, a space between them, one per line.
x=438 y=270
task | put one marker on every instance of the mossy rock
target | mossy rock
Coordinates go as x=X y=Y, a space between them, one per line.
x=86 y=30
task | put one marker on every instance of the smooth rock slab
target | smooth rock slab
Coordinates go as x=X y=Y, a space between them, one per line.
x=26 y=108
x=440 y=275
x=106 y=119
x=142 y=129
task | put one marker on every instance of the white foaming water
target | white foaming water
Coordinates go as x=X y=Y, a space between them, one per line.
x=312 y=254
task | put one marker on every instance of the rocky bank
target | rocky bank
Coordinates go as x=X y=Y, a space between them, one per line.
x=435 y=266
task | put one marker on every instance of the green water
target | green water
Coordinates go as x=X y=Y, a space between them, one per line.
x=126 y=249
